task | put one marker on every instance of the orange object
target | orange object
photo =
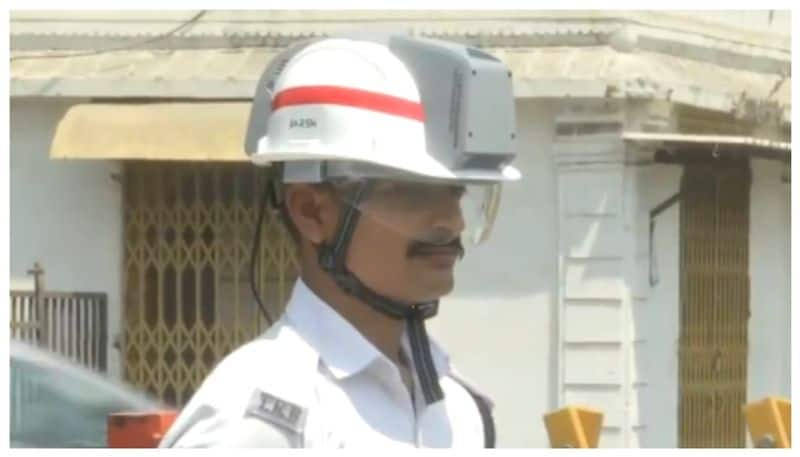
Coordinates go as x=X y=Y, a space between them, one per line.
x=138 y=430
x=770 y=422
x=574 y=426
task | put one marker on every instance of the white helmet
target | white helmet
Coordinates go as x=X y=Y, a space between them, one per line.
x=428 y=108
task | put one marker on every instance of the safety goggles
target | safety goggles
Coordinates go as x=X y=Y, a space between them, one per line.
x=395 y=204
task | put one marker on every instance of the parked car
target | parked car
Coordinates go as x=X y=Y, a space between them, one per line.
x=56 y=403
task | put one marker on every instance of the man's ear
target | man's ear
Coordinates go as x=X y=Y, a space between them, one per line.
x=311 y=210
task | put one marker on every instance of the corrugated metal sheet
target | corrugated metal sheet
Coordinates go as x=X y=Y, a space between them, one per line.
x=487 y=32
x=538 y=72
x=485 y=26
x=442 y=22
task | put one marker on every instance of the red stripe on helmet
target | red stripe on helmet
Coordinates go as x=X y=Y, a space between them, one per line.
x=345 y=96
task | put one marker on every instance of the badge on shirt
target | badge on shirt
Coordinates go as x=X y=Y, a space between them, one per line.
x=276 y=411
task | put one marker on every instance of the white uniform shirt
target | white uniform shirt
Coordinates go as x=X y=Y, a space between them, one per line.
x=312 y=380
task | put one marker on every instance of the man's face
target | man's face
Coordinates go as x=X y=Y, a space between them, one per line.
x=407 y=240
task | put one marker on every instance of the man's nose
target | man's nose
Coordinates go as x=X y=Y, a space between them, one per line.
x=447 y=215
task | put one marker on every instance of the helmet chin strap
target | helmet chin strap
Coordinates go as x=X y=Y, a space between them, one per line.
x=332 y=260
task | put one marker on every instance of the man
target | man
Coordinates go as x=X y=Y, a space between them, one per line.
x=391 y=149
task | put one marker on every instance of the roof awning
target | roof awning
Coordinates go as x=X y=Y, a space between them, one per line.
x=208 y=131
x=592 y=71
x=716 y=144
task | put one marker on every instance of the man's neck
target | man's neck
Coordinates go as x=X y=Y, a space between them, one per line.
x=384 y=332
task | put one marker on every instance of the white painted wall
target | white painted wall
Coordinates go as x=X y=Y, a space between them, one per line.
x=67 y=215
x=594 y=301
x=499 y=323
x=769 y=330
x=656 y=309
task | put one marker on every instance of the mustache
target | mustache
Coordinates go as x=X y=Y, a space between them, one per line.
x=436 y=241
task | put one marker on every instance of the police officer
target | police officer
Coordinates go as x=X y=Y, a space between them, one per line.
x=391 y=151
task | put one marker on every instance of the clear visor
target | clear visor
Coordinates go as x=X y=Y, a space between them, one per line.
x=426 y=212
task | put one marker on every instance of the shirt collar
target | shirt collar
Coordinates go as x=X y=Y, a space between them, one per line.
x=342 y=348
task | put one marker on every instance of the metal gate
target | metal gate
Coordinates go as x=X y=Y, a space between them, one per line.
x=188 y=234
x=70 y=324
x=714 y=310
